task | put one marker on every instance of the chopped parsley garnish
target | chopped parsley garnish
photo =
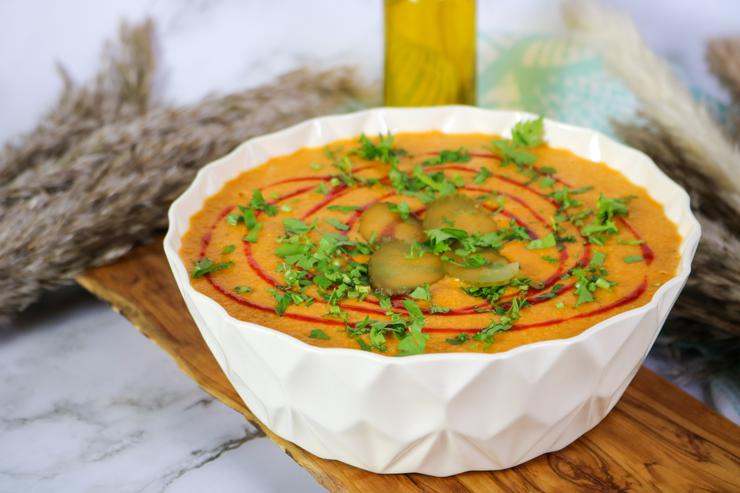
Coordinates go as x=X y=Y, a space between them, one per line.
x=544 y=242
x=528 y=133
x=510 y=153
x=422 y=185
x=319 y=334
x=259 y=203
x=247 y=214
x=345 y=175
x=383 y=151
x=295 y=226
x=460 y=155
x=564 y=197
x=344 y=208
x=402 y=209
x=415 y=341
x=421 y=293
x=435 y=182
x=459 y=339
x=606 y=210
x=286 y=298
x=632 y=259
x=597 y=259
x=504 y=323
x=546 y=182
x=489 y=293
x=242 y=289
x=443 y=240
x=251 y=237
x=337 y=224
x=206 y=266
x=524 y=135
x=591 y=278
x=584 y=287
x=482 y=175
x=550 y=259
x=228 y=249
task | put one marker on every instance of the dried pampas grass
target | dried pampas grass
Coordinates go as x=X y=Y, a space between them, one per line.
x=119 y=92
x=703 y=331
x=723 y=57
x=98 y=174
x=664 y=101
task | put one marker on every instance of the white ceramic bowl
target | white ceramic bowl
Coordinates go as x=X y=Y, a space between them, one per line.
x=437 y=414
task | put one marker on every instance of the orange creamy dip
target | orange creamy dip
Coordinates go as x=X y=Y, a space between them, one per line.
x=639 y=258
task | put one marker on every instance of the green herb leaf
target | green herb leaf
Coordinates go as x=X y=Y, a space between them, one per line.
x=382 y=151
x=546 y=182
x=482 y=175
x=597 y=259
x=337 y=224
x=608 y=208
x=206 y=266
x=544 y=242
x=233 y=218
x=421 y=293
x=547 y=170
x=344 y=208
x=460 y=338
x=319 y=334
x=259 y=203
x=228 y=249
x=402 y=209
x=415 y=341
x=251 y=237
x=528 y=133
x=632 y=259
x=582 y=291
x=295 y=226
x=460 y=155
x=511 y=154
x=242 y=289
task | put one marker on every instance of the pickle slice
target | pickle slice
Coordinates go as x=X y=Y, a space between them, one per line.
x=498 y=269
x=386 y=224
x=459 y=212
x=392 y=272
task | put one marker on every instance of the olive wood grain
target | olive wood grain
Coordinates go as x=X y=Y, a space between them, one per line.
x=657 y=438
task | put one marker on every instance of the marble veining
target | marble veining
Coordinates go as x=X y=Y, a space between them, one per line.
x=86 y=403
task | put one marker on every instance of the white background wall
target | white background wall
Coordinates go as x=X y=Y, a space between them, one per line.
x=223 y=45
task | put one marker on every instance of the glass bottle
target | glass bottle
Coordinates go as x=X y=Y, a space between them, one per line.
x=430 y=52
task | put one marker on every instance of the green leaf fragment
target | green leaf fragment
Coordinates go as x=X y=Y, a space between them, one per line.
x=544 y=242
x=319 y=334
x=206 y=266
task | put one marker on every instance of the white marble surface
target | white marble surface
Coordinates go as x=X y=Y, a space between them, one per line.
x=86 y=403
x=89 y=404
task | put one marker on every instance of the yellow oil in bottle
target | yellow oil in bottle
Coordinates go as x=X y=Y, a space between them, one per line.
x=429 y=52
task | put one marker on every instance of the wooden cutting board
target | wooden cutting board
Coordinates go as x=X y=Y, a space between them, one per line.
x=657 y=438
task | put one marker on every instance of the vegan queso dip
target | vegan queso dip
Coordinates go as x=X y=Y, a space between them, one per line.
x=430 y=242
